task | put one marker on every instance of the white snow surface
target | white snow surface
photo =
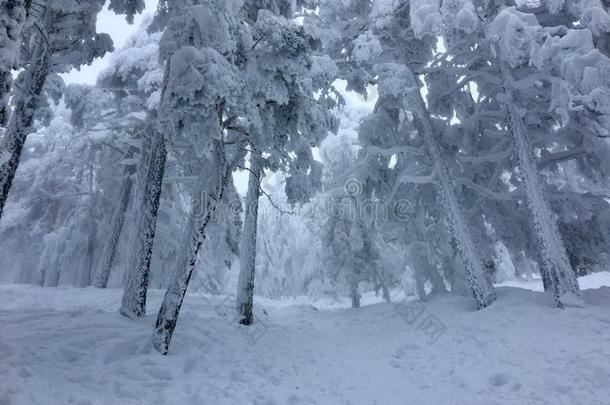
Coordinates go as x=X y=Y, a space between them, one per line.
x=70 y=346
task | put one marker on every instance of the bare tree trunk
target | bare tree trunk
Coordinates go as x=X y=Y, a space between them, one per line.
x=10 y=32
x=141 y=245
x=353 y=287
x=198 y=221
x=21 y=120
x=146 y=209
x=245 y=287
x=118 y=219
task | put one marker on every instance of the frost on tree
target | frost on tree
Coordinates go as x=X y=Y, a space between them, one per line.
x=526 y=72
x=203 y=94
x=245 y=297
x=128 y=7
x=390 y=39
x=514 y=37
x=285 y=122
x=569 y=60
x=135 y=78
x=396 y=76
x=151 y=171
x=52 y=48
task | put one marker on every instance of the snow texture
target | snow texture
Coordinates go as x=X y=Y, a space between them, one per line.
x=70 y=346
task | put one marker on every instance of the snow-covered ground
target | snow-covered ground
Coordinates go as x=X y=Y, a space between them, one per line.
x=70 y=346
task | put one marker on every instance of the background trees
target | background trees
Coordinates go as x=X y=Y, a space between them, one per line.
x=472 y=147
x=62 y=36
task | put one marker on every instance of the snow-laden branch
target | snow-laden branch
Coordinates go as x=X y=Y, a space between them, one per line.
x=490 y=194
x=393 y=150
x=559 y=157
x=494 y=156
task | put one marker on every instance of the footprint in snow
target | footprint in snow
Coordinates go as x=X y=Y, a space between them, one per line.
x=159 y=373
x=499 y=379
x=121 y=351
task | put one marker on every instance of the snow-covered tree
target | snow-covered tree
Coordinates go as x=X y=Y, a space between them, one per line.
x=203 y=98
x=514 y=125
x=71 y=173
x=151 y=171
x=286 y=121
x=62 y=36
x=128 y=7
x=385 y=48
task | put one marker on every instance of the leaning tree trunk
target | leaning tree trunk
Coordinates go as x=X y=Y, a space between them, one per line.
x=174 y=296
x=15 y=13
x=6 y=80
x=245 y=287
x=116 y=228
x=559 y=277
x=472 y=266
x=21 y=118
x=145 y=225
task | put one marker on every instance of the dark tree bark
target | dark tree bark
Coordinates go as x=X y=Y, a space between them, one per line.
x=27 y=102
x=146 y=210
x=174 y=296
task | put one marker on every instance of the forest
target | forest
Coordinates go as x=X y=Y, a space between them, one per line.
x=251 y=167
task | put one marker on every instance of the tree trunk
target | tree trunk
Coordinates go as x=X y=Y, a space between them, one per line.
x=146 y=208
x=91 y=226
x=6 y=80
x=145 y=225
x=245 y=287
x=21 y=120
x=385 y=292
x=118 y=219
x=174 y=296
x=16 y=12
x=353 y=288
x=557 y=273
x=472 y=266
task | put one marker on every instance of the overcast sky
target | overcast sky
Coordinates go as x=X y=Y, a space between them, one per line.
x=119 y=30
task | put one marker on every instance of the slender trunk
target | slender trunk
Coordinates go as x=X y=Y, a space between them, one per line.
x=245 y=288
x=16 y=12
x=6 y=80
x=385 y=292
x=116 y=228
x=472 y=265
x=54 y=271
x=174 y=296
x=353 y=287
x=146 y=208
x=21 y=119
x=557 y=273
x=141 y=245
x=48 y=266
x=91 y=226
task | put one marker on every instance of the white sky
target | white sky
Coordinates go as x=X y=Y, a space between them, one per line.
x=119 y=30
